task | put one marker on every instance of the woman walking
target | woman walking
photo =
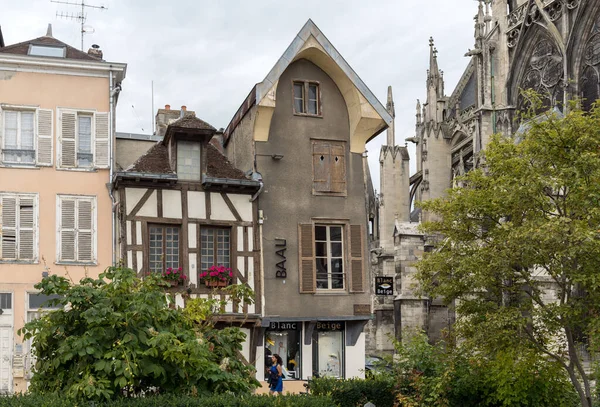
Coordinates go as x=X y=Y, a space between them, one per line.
x=276 y=375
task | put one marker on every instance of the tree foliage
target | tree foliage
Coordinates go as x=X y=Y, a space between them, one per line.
x=447 y=375
x=518 y=249
x=121 y=336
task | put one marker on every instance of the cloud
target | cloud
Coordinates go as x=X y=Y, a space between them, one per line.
x=207 y=55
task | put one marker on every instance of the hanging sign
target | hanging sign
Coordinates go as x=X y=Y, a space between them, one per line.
x=384 y=285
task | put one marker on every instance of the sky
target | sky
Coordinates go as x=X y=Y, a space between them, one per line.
x=207 y=55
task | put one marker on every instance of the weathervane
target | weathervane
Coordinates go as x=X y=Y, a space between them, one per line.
x=81 y=17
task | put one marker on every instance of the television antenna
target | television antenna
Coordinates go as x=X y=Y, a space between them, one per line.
x=80 y=16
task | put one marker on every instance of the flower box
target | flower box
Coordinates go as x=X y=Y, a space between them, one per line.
x=212 y=283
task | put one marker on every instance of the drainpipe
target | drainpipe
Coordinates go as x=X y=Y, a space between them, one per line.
x=111 y=143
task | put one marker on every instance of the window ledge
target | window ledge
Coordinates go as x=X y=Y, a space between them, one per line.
x=78 y=169
x=317 y=116
x=331 y=292
x=19 y=261
x=75 y=263
x=20 y=166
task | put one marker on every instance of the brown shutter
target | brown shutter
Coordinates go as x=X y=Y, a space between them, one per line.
x=338 y=168
x=9 y=227
x=357 y=274
x=67 y=229
x=26 y=229
x=44 y=137
x=67 y=142
x=321 y=163
x=102 y=152
x=306 y=264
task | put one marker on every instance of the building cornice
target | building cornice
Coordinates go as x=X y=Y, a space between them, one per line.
x=24 y=63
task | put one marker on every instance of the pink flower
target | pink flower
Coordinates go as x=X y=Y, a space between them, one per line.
x=231 y=274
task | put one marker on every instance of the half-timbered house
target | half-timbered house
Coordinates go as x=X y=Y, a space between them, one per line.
x=183 y=205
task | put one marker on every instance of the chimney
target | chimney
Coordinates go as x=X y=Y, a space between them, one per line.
x=95 y=52
x=166 y=116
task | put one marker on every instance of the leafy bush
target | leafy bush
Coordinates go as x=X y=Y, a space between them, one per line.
x=226 y=400
x=120 y=336
x=378 y=390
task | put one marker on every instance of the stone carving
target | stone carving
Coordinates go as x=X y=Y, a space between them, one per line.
x=513 y=37
x=516 y=17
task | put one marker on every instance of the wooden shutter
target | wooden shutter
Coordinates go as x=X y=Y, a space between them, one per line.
x=102 y=153
x=306 y=264
x=44 y=137
x=337 y=162
x=26 y=232
x=357 y=274
x=9 y=227
x=67 y=229
x=85 y=231
x=321 y=164
x=68 y=152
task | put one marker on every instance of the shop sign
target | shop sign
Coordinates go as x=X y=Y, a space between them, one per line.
x=281 y=245
x=283 y=326
x=362 y=309
x=330 y=326
x=384 y=285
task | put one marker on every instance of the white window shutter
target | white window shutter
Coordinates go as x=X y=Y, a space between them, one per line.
x=67 y=229
x=102 y=144
x=44 y=137
x=1 y=134
x=68 y=151
x=26 y=229
x=84 y=231
x=9 y=227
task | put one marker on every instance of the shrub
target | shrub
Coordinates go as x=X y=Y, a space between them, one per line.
x=172 y=400
x=378 y=390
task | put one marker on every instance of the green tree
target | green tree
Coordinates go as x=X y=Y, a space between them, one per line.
x=518 y=249
x=121 y=336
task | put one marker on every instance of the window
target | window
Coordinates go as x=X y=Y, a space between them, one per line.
x=307 y=99
x=215 y=248
x=76 y=229
x=329 y=167
x=85 y=157
x=46 y=51
x=188 y=160
x=26 y=136
x=84 y=139
x=18 y=234
x=284 y=339
x=329 y=257
x=328 y=349
x=5 y=301
x=19 y=139
x=164 y=247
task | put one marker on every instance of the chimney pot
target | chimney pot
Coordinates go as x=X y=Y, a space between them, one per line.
x=167 y=107
x=184 y=108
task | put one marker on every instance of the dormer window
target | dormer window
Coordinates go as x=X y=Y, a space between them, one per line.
x=188 y=160
x=46 y=51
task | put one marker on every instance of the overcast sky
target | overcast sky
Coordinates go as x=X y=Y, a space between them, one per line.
x=207 y=55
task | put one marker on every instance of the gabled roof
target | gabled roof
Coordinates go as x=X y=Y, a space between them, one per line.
x=22 y=48
x=310 y=28
x=156 y=162
x=340 y=70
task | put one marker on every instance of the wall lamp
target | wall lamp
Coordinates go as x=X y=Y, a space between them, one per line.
x=273 y=156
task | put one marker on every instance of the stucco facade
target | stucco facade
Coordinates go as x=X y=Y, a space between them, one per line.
x=43 y=88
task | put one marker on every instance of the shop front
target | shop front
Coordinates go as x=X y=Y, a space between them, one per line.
x=313 y=348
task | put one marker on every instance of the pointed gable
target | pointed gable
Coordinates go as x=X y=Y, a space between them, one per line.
x=368 y=117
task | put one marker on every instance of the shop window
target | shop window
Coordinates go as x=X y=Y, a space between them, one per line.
x=283 y=339
x=328 y=349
